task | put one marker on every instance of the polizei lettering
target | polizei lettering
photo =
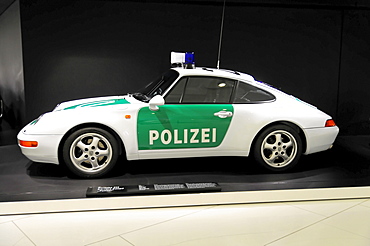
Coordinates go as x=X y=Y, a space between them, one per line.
x=193 y=136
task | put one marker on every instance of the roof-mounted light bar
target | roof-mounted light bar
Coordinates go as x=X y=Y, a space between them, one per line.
x=181 y=59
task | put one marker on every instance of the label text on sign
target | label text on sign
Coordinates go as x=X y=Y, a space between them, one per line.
x=203 y=135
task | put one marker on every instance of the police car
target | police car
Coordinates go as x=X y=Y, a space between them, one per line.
x=186 y=112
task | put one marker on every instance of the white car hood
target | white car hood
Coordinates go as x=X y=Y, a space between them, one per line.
x=94 y=102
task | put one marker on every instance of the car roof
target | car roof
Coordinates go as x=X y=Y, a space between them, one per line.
x=204 y=71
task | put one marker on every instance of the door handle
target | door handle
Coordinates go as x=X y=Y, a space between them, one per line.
x=223 y=114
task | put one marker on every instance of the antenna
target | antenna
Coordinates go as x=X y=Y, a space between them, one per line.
x=221 y=31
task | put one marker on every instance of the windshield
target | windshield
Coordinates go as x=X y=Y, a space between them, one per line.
x=157 y=86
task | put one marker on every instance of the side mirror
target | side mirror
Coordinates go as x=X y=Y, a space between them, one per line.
x=156 y=101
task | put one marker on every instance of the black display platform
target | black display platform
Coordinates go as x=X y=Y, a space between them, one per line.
x=346 y=165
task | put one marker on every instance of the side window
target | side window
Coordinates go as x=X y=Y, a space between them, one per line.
x=176 y=93
x=246 y=93
x=193 y=90
x=208 y=90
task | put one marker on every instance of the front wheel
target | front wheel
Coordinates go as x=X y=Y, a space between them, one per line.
x=278 y=148
x=90 y=152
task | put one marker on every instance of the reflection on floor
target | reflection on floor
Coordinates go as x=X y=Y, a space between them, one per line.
x=319 y=223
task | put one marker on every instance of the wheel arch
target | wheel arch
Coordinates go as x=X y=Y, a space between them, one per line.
x=86 y=125
x=287 y=123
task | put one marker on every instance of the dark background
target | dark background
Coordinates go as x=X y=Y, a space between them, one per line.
x=318 y=51
x=11 y=72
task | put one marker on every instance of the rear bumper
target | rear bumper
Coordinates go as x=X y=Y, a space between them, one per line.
x=320 y=139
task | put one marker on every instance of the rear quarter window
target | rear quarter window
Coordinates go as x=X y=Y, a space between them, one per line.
x=246 y=93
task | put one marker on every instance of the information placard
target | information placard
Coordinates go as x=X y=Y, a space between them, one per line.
x=152 y=189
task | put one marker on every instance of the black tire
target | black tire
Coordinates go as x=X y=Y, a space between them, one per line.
x=90 y=152
x=278 y=148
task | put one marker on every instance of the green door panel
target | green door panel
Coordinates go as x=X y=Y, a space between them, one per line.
x=182 y=126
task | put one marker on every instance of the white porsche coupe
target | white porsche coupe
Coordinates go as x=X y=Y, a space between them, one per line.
x=184 y=113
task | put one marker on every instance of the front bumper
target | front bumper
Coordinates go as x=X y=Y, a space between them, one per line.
x=47 y=149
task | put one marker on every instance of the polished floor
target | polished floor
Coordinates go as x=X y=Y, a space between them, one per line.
x=332 y=222
x=319 y=222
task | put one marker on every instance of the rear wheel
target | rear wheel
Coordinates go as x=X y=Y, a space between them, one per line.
x=90 y=152
x=278 y=148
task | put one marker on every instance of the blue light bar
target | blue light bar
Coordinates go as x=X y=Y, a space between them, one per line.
x=189 y=58
x=185 y=60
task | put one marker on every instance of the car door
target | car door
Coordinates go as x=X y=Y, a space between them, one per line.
x=196 y=117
